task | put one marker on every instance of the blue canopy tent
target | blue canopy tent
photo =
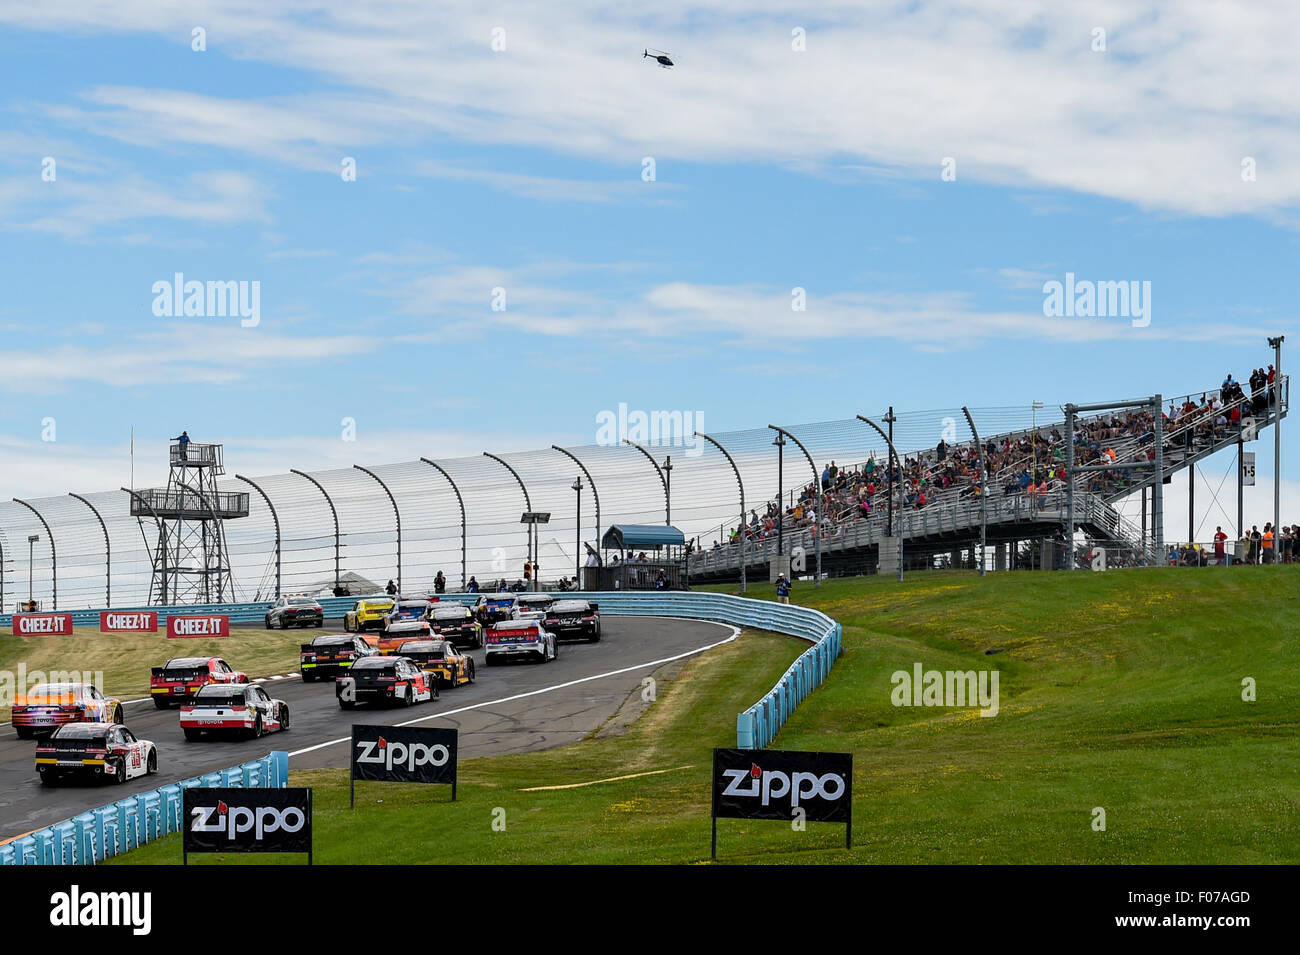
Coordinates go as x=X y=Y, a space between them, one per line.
x=664 y=566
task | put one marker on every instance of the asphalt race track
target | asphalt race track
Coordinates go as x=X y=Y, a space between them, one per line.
x=580 y=690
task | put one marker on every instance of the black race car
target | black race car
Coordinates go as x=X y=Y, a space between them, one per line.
x=574 y=619
x=331 y=654
x=295 y=612
x=494 y=608
x=389 y=679
x=457 y=624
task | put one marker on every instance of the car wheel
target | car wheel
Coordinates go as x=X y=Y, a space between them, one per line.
x=257 y=727
x=118 y=717
x=320 y=623
x=160 y=703
x=284 y=719
x=192 y=735
x=49 y=777
x=470 y=677
x=119 y=771
x=24 y=732
x=308 y=677
x=284 y=624
x=151 y=767
x=555 y=650
x=595 y=637
x=347 y=704
x=268 y=623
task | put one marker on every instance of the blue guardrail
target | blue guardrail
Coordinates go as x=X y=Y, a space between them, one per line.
x=136 y=820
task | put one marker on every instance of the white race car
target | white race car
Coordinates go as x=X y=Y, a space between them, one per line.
x=95 y=750
x=510 y=639
x=242 y=708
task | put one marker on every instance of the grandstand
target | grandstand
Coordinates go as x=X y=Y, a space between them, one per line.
x=406 y=521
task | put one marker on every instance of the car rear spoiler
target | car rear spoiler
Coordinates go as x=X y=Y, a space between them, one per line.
x=157 y=671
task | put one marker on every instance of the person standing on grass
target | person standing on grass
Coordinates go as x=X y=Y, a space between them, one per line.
x=1220 y=546
x=783 y=586
x=1267 y=541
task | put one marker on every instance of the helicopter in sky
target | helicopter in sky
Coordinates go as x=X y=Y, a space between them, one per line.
x=659 y=57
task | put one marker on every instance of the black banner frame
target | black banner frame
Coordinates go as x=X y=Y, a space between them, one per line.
x=352 y=776
x=713 y=797
x=311 y=844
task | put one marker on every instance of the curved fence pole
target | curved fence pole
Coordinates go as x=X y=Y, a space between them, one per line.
x=275 y=517
x=396 y=514
x=108 y=552
x=741 y=484
x=528 y=505
x=464 y=581
x=153 y=556
x=898 y=469
x=984 y=491
x=590 y=480
x=817 y=527
x=668 y=504
x=335 y=513
x=54 y=559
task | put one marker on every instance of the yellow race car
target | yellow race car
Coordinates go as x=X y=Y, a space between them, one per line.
x=368 y=614
x=440 y=659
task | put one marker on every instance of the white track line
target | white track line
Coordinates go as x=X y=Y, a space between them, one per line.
x=735 y=632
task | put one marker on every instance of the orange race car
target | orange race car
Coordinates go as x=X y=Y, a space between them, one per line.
x=47 y=706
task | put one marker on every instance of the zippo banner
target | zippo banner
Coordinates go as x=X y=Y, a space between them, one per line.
x=214 y=625
x=42 y=624
x=247 y=820
x=131 y=621
x=783 y=785
x=404 y=754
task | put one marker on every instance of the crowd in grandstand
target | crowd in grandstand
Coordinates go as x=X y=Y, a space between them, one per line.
x=1030 y=463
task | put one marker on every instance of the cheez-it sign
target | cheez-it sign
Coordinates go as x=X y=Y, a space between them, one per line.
x=42 y=624
x=205 y=625
x=128 y=621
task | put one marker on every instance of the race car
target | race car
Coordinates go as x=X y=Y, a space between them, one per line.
x=409 y=620
x=295 y=612
x=493 y=608
x=47 y=706
x=519 y=638
x=533 y=604
x=441 y=660
x=95 y=750
x=240 y=708
x=330 y=654
x=576 y=619
x=368 y=614
x=385 y=680
x=180 y=678
x=457 y=624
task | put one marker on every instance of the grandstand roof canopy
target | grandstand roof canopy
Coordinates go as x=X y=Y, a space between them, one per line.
x=642 y=537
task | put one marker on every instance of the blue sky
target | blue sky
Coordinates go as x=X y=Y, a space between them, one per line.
x=522 y=169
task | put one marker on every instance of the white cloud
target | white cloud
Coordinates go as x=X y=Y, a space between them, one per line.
x=1014 y=94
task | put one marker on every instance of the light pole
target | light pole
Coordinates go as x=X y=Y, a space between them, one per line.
x=31 y=557
x=1277 y=440
x=779 y=444
x=889 y=419
x=668 y=489
x=577 y=547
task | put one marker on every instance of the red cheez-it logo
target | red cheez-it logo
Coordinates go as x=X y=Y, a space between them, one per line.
x=208 y=625
x=128 y=621
x=42 y=624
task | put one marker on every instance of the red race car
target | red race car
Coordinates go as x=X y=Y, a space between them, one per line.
x=180 y=678
x=47 y=706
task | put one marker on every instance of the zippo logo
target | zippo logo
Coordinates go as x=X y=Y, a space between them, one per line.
x=234 y=820
x=767 y=785
x=410 y=755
